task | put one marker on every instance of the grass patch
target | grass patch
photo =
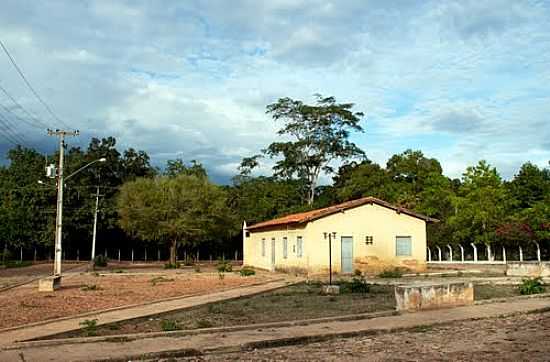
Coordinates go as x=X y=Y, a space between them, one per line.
x=247 y=271
x=391 y=273
x=89 y=327
x=169 y=325
x=491 y=291
x=17 y=264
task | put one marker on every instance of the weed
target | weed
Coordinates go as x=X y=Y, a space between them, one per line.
x=203 y=323
x=113 y=326
x=177 y=265
x=118 y=271
x=224 y=266
x=531 y=286
x=422 y=329
x=17 y=264
x=391 y=273
x=101 y=261
x=358 y=284
x=247 y=271
x=169 y=325
x=90 y=287
x=160 y=279
x=221 y=275
x=89 y=327
x=215 y=309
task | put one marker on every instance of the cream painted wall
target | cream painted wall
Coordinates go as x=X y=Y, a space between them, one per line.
x=381 y=223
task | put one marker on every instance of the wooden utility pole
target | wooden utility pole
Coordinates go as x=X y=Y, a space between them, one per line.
x=59 y=217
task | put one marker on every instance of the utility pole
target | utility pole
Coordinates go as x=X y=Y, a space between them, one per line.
x=95 y=223
x=59 y=217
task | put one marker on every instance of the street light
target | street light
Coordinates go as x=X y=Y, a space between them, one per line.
x=59 y=218
x=330 y=236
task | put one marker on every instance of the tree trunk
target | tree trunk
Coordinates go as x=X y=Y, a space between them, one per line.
x=173 y=248
x=5 y=252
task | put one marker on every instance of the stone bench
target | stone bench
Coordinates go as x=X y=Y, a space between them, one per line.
x=49 y=284
x=432 y=296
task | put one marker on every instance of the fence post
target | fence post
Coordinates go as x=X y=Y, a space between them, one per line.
x=158 y=254
x=461 y=253
x=504 y=255
x=132 y=255
x=210 y=258
x=438 y=252
x=490 y=256
x=119 y=255
x=520 y=253
x=475 y=251
x=450 y=252
x=105 y=252
x=35 y=255
x=145 y=254
x=538 y=251
x=198 y=256
x=429 y=254
x=77 y=254
x=236 y=255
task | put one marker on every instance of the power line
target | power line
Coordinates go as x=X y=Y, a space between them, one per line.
x=54 y=116
x=8 y=129
x=31 y=116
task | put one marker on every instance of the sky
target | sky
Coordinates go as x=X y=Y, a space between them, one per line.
x=459 y=80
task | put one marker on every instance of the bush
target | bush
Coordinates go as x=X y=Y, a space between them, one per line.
x=101 y=261
x=358 y=284
x=224 y=266
x=531 y=286
x=169 y=325
x=391 y=273
x=89 y=327
x=172 y=266
x=247 y=271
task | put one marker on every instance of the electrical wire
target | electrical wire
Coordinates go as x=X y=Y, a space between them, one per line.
x=31 y=88
x=41 y=124
x=8 y=129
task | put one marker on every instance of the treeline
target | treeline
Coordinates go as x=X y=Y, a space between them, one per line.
x=179 y=208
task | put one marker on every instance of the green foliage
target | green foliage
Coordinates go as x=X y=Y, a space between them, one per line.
x=224 y=266
x=101 y=261
x=530 y=286
x=203 y=323
x=176 y=265
x=89 y=327
x=358 y=284
x=391 y=273
x=17 y=264
x=247 y=271
x=169 y=325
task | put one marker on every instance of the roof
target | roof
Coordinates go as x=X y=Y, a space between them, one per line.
x=305 y=217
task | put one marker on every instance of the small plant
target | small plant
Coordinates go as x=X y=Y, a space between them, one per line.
x=89 y=327
x=215 y=309
x=204 y=323
x=169 y=325
x=531 y=286
x=197 y=268
x=101 y=261
x=357 y=272
x=358 y=284
x=177 y=265
x=113 y=326
x=224 y=266
x=391 y=273
x=221 y=275
x=90 y=287
x=247 y=271
x=160 y=279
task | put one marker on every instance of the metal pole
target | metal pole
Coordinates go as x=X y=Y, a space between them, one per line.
x=95 y=222
x=329 y=259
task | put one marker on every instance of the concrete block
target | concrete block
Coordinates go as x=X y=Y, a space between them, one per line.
x=528 y=269
x=330 y=289
x=49 y=284
x=432 y=296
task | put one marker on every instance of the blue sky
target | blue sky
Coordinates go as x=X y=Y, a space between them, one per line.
x=460 y=80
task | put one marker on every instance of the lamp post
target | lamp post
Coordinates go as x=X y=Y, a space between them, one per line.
x=330 y=236
x=59 y=218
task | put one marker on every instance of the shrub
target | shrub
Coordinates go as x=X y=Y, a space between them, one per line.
x=101 y=261
x=531 y=286
x=247 y=271
x=224 y=266
x=358 y=284
x=391 y=273
x=89 y=327
x=169 y=325
x=221 y=275
x=177 y=265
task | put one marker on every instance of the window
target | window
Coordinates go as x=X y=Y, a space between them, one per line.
x=263 y=247
x=285 y=247
x=403 y=246
x=369 y=240
x=299 y=246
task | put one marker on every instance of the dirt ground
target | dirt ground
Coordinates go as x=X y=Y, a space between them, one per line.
x=518 y=338
x=88 y=292
x=11 y=276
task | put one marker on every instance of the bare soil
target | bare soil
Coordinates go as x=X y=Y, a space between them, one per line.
x=12 y=276
x=518 y=338
x=82 y=293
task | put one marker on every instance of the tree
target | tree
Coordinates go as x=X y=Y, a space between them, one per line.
x=480 y=206
x=178 y=167
x=180 y=210
x=362 y=179
x=319 y=136
x=530 y=185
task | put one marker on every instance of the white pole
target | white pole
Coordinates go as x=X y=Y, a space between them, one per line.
x=145 y=254
x=504 y=254
x=439 y=252
x=429 y=254
x=461 y=252
x=489 y=253
x=538 y=251
x=59 y=221
x=475 y=251
x=119 y=255
x=450 y=252
x=520 y=253
x=132 y=255
x=94 y=233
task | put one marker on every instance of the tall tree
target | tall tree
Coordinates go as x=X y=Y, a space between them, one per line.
x=319 y=136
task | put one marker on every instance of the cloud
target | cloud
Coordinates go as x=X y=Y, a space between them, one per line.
x=461 y=80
